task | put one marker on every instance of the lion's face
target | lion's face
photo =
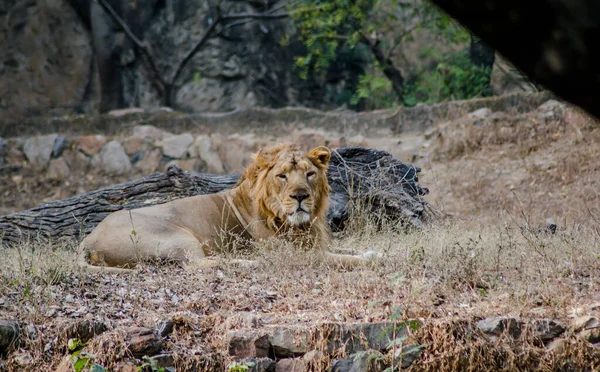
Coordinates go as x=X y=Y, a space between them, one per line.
x=291 y=184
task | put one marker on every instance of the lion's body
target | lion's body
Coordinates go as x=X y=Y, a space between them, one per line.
x=284 y=192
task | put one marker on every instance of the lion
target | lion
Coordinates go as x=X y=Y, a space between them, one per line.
x=283 y=193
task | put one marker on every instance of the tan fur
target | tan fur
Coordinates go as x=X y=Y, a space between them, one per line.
x=283 y=193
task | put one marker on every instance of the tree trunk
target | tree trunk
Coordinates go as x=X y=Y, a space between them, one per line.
x=365 y=177
x=388 y=68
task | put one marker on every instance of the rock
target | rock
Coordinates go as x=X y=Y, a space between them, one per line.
x=235 y=153
x=546 y=330
x=498 y=326
x=291 y=365
x=248 y=344
x=407 y=354
x=90 y=145
x=362 y=362
x=177 y=146
x=259 y=364
x=84 y=330
x=150 y=162
x=360 y=336
x=58 y=169
x=208 y=152
x=39 y=149
x=164 y=328
x=37 y=76
x=288 y=342
x=3 y=150
x=480 y=114
x=9 y=336
x=588 y=328
x=143 y=341
x=77 y=161
x=552 y=105
x=149 y=132
x=164 y=360
x=190 y=165
x=112 y=159
x=132 y=144
x=60 y=145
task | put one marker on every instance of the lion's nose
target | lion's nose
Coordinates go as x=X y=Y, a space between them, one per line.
x=299 y=197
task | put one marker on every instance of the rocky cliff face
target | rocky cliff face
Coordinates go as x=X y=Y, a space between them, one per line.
x=69 y=55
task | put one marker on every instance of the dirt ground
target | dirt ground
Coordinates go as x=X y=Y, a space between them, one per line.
x=499 y=182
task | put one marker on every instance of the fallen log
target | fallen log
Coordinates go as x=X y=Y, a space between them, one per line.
x=373 y=179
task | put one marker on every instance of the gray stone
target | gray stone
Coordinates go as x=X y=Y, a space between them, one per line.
x=149 y=132
x=150 y=162
x=165 y=328
x=9 y=336
x=291 y=365
x=407 y=354
x=112 y=159
x=84 y=330
x=90 y=145
x=39 y=149
x=360 y=362
x=177 y=146
x=588 y=328
x=500 y=325
x=482 y=113
x=357 y=337
x=248 y=344
x=60 y=144
x=208 y=152
x=259 y=364
x=546 y=330
x=143 y=341
x=58 y=169
x=3 y=150
x=288 y=342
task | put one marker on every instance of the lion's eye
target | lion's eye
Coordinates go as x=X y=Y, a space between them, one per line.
x=310 y=174
x=282 y=176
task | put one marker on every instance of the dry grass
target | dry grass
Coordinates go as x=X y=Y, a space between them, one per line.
x=501 y=180
x=438 y=275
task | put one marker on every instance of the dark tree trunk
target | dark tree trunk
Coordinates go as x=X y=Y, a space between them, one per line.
x=368 y=177
x=388 y=68
x=483 y=55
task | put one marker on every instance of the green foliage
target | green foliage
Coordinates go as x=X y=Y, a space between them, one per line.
x=330 y=28
x=454 y=78
x=80 y=359
x=323 y=26
x=240 y=367
x=152 y=364
x=372 y=88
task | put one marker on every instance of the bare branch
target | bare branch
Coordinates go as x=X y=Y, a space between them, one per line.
x=190 y=53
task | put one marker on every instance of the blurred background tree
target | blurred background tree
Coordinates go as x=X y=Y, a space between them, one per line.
x=409 y=52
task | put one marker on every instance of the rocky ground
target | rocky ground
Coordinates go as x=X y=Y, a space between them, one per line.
x=490 y=287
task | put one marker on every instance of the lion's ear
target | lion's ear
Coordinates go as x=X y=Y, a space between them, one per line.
x=320 y=156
